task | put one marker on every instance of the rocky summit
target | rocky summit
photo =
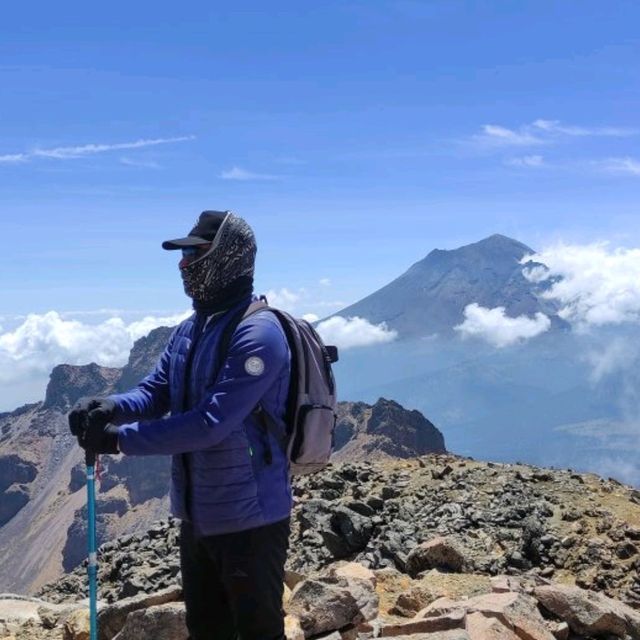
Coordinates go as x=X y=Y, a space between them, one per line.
x=436 y=547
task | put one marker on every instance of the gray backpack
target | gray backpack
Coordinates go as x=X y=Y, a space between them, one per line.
x=310 y=414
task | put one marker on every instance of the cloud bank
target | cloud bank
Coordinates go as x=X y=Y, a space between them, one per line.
x=44 y=341
x=494 y=326
x=595 y=284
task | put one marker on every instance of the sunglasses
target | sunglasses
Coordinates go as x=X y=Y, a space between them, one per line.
x=195 y=251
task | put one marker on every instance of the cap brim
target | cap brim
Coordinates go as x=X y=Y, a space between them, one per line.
x=179 y=243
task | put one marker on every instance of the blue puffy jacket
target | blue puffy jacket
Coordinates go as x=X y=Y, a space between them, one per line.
x=221 y=480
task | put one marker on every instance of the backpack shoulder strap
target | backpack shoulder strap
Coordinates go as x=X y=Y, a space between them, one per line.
x=230 y=328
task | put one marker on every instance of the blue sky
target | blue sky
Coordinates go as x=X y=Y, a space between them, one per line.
x=355 y=137
x=356 y=129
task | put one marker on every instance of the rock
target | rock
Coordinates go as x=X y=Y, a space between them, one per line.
x=481 y=627
x=77 y=625
x=352 y=570
x=439 y=607
x=456 y=634
x=504 y=584
x=113 y=618
x=14 y=608
x=626 y=550
x=322 y=607
x=160 y=622
x=438 y=553
x=514 y=611
x=589 y=613
x=292 y=628
x=353 y=529
x=410 y=602
x=291 y=578
x=452 y=620
x=330 y=603
x=560 y=630
x=53 y=615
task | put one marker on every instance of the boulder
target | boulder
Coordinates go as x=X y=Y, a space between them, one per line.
x=77 y=625
x=330 y=603
x=160 y=622
x=514 y=611
x=481 y=627
x=352 y=570
x=589 y=613
x=454 y=619
x=438 y=553
x=113 y=618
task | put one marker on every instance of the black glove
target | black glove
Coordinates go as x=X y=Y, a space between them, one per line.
x=100 y=438
x=90 y=412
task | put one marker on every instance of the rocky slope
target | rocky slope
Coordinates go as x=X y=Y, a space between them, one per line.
x=437 y=547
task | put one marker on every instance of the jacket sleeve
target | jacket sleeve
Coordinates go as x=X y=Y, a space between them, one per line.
x=151 y=398
x=257 y=354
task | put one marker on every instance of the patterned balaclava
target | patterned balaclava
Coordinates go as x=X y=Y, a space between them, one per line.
x=230 y=259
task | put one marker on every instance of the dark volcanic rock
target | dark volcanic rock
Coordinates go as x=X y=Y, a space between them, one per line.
x=385 y=429
x=69 y=383
x=409 y=431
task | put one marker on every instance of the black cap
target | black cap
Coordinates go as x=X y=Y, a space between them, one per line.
x=205 y=231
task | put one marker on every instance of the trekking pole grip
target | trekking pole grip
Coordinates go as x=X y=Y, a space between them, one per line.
x=89 y=458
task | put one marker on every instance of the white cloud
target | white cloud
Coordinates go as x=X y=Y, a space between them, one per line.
x=64 y=153
x=527 y=161
x=302 y=302
x=144 y=164
x=539 y=132
x=325 y=282
x=625 y=166
x=494 y=326
x=346 y=333
x=13 y=158
x=237 y=173
x=43 y=341
x=555 y=126
x=594 y=284
x=81 y=151
x=284 y=298
x=496 y=135
x=310 y=317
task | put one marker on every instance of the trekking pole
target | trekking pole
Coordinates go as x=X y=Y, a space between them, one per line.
x=92 y=568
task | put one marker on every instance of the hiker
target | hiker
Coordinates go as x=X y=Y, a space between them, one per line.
x=230 y=484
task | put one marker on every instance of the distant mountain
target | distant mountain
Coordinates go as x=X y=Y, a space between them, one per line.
x=431 y=296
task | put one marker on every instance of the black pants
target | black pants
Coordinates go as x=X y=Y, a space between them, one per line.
x=233 y=583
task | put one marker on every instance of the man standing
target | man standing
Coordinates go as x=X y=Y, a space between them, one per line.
x=230 y=482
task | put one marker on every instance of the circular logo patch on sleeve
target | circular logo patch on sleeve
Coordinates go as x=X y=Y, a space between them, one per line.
x=254 y=366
